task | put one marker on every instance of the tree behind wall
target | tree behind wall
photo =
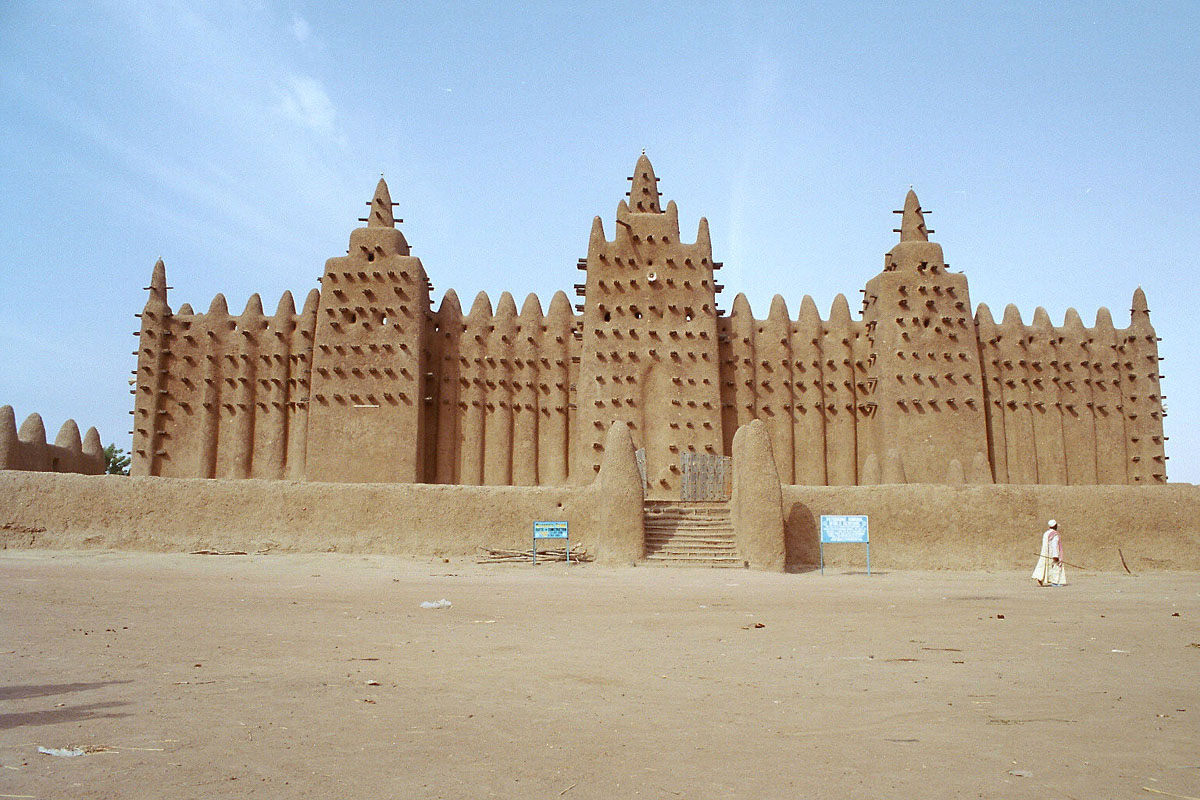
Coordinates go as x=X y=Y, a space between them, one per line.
x=116 y=461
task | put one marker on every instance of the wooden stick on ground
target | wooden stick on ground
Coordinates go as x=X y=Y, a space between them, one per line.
x=503 y=556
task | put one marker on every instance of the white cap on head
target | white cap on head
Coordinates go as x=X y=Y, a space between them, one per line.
x=1053 y=523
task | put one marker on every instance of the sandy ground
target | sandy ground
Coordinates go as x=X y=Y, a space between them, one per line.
x=319 y=676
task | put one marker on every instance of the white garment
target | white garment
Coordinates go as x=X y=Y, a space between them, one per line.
x=1047 y=571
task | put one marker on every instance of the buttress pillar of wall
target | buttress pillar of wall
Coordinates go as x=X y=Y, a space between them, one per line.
x=649 y=348
x=1138 y=364
x=446 y=348
x=738 y=391
x=150 y=378
x=926 y=374
x=368 y=394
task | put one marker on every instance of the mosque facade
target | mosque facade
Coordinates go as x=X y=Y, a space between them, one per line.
x=367 y=382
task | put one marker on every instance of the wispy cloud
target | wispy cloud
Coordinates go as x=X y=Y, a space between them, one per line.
x=301 y=29
x=305 y=102
x=760 y=98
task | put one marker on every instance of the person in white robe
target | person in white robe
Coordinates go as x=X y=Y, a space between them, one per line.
x=1050 y=570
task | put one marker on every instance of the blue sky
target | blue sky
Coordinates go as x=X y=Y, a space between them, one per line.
x=1056 y=144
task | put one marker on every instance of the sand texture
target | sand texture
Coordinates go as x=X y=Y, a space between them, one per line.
x=318 y=675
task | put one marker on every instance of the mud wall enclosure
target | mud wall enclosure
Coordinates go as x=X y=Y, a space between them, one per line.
x=1000 y=527
x=912 y=526
x=181 y=514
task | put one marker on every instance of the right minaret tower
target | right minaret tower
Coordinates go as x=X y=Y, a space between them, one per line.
x=925 y=369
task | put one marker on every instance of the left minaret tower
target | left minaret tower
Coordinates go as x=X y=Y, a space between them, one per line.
x=367 y=408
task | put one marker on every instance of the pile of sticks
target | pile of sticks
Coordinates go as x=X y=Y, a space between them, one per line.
x=489 y=556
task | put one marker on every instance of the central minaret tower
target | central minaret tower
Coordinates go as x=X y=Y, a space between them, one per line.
x=649 y=349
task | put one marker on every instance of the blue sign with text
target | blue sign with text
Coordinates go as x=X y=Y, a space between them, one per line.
x=843 y=528
x=550 y=530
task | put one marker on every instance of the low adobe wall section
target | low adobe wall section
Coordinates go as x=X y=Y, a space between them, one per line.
x=999 y=527
x=184 y=514
x=912 y=526
x=26 y=448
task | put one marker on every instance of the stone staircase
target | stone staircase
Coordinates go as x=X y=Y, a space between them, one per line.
x=689 y=534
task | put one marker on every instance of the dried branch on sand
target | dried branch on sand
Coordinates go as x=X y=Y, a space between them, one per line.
x=489 y=556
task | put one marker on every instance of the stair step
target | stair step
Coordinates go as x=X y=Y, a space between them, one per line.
x=689 y=534
x=688 y=520
x=685 y=506
x=694 y=551
x=673 y=515
x=693 y=556
x=716 y=541
x=685 y=509
x=719 y=528
x=675 y=561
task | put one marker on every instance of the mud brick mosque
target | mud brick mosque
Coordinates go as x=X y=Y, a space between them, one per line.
x=368 y=383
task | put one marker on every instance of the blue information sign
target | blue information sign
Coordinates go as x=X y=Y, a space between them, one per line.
x=839 y=528
x=551 y=529
x=845 y=529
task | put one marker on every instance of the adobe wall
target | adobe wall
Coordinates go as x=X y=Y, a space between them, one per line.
x=1000 y=527
x=219 y=396
x=805 y=379
x=500 y=404
x=183 y=514
x=369 y=383
x=912 y=526
x=1071 y=404
x=26 y=448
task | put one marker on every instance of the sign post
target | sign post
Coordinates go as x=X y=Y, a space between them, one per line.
x=551 y=530
x=845 y=529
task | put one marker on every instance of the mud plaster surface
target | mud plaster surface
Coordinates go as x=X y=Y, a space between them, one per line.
x=248 y=676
